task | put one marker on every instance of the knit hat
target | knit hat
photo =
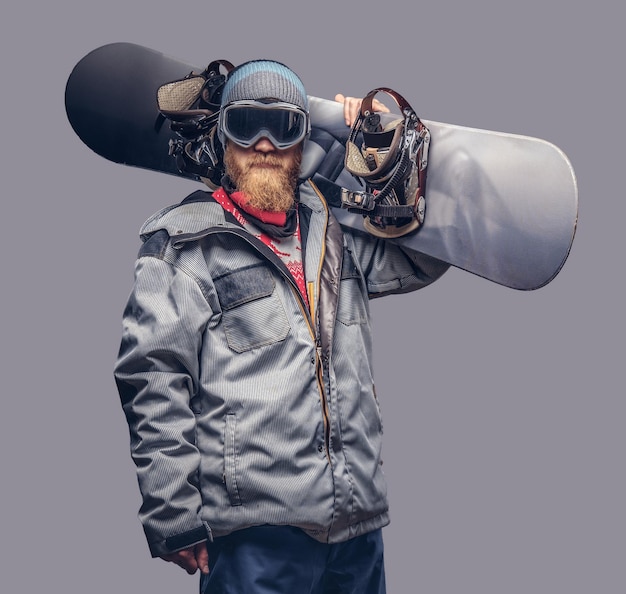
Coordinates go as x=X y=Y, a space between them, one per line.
x=264 y=79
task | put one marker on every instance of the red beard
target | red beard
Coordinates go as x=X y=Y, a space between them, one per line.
x=268 y=181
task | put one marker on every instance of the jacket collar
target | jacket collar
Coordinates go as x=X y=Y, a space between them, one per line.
x=199 y=212
x=193 y=215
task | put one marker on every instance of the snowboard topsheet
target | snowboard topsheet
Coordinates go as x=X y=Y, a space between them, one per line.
x=502 y=206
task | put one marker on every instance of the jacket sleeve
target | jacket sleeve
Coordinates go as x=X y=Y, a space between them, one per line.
x=389 y=268
x=157 y=374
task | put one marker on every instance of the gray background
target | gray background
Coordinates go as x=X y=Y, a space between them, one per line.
x=503 y=410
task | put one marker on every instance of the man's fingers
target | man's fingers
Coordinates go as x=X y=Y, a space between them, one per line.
x=378 y=106
x=352 y=105
x=185 y=559
x=202 y=557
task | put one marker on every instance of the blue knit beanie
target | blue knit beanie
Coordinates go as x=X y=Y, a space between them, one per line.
x=264 y=79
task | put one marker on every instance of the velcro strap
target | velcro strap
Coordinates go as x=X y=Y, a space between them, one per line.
x=389 y=210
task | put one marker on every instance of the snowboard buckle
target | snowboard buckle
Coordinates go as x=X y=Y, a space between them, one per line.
x=357 y=201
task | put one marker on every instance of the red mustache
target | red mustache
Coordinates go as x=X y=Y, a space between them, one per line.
x=268 y=159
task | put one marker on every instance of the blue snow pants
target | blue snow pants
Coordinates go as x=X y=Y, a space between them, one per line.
x=284 y=560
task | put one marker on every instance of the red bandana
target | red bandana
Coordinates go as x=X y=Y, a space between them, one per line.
x=265 y=216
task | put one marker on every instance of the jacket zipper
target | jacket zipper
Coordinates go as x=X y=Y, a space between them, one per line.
x=319 y=357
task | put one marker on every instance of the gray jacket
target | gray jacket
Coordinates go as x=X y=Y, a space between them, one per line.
x=245 y=407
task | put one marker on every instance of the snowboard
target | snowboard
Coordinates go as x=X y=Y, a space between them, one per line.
x=501 y=206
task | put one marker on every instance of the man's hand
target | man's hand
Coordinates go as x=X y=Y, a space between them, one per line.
x=191 y=559
x=351 y=106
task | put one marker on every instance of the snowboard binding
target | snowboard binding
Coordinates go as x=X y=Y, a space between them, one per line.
x=391 y=163
x=192 y=106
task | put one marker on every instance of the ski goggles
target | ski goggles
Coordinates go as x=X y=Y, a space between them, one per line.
x=245 y=122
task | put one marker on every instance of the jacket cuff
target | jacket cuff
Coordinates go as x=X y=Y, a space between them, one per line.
x=178 y=542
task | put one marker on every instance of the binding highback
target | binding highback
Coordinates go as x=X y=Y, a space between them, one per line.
x=391 y=163
x=192 y=106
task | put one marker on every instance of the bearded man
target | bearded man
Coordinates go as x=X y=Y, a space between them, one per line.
x=245 y=368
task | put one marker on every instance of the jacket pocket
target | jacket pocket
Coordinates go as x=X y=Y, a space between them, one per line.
x=230 y=459
x=352 y=307
x=252 y=313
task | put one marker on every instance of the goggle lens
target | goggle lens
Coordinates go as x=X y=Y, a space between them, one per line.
x=283 y=124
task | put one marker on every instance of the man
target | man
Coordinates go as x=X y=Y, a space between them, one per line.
x=245 y=366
